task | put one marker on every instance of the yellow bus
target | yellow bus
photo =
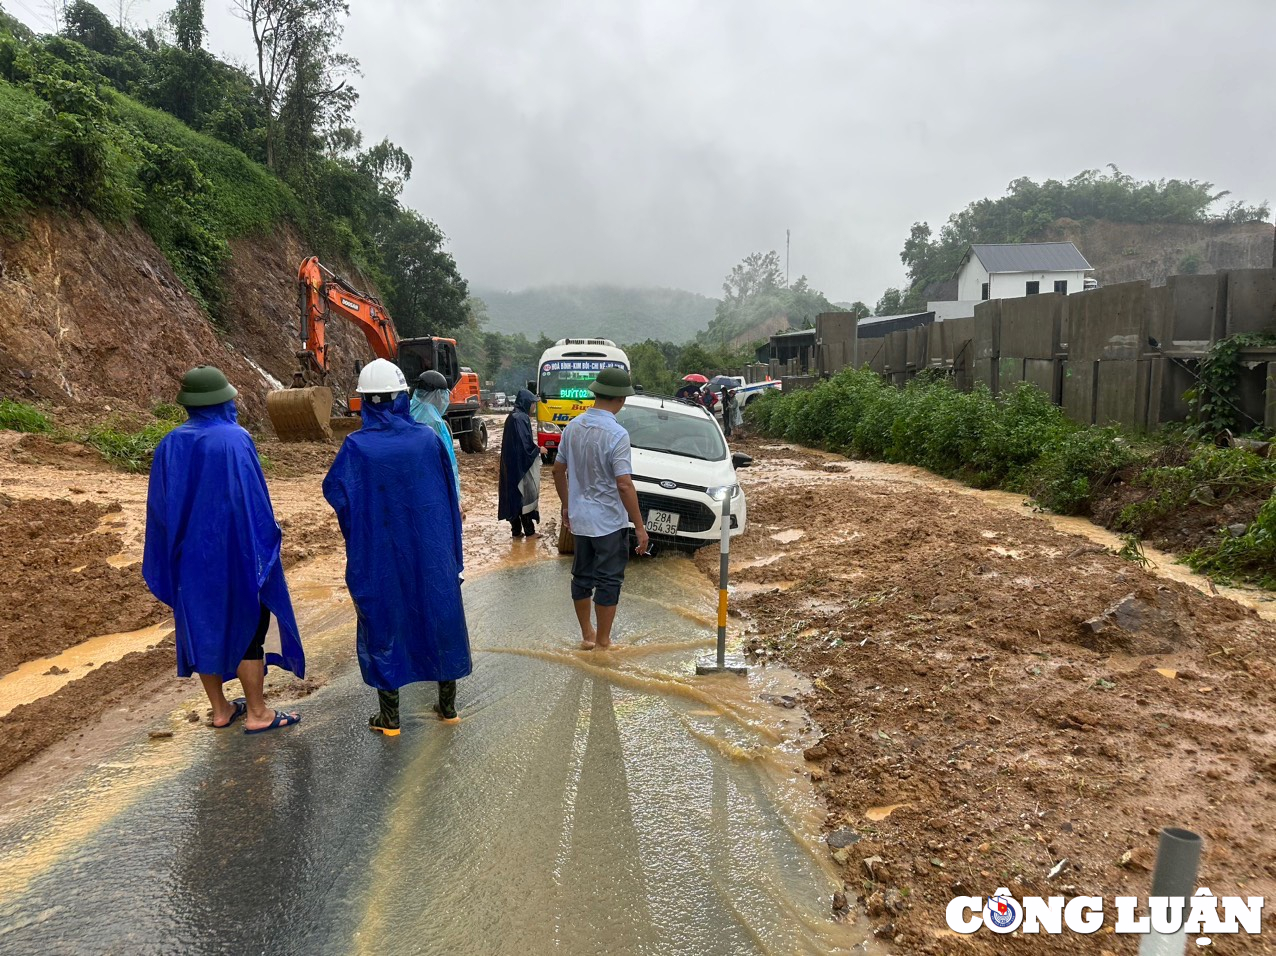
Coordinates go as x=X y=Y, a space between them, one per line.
x=562 y=385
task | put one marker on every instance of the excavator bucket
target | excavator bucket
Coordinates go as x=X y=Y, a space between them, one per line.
x=301 y=414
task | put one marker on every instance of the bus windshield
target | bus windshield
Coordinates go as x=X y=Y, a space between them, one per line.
x=569 y=378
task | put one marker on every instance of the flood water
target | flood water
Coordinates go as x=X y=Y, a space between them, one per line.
x=587 y=803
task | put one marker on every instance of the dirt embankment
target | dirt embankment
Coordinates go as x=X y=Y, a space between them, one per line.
x=1002 y=702
x=62 y=587
x=94 y=318
x=1124 y=252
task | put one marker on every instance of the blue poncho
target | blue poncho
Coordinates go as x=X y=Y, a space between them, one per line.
x=212 y=546
x=427 y=414
x=391 y=487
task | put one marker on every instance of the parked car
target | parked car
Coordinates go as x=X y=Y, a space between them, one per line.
x=499 y=400
x=683 y=470
x=749 y=393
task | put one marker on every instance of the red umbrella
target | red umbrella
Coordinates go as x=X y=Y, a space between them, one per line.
x=695 y=377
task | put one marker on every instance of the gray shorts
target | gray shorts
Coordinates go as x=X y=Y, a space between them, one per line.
x=598 y=569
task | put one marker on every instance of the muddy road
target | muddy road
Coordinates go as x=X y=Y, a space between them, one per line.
x=1001 y=695
x=986 y=696
x=586 y=802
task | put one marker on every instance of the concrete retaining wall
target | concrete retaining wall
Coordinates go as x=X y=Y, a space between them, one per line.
x=1091 y=352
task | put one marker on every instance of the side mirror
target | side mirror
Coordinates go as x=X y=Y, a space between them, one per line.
x=740 y=460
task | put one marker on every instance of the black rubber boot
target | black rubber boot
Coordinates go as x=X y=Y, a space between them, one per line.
x=529 y=526
x=516 y=527
x=387 y=721
x=446 y=707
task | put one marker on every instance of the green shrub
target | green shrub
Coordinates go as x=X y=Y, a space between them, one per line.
x=1068 y=472
x=1021 y=440
x=128 y=450
x=169 y=412
x=1209 y=477
x=1250 y=557
x=17 y=417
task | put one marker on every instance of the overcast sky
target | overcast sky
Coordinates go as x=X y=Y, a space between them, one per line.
x=657 y=142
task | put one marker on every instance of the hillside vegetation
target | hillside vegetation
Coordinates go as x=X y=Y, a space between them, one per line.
x=153 y=129
x=614 y=312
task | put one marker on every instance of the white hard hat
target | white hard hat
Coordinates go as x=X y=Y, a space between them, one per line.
x=381 y=376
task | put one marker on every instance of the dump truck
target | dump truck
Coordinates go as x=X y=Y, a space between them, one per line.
x=305 y=412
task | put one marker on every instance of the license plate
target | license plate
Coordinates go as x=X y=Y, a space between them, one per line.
x=662 y=522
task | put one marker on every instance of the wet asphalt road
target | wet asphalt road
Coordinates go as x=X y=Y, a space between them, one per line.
x=586 y=804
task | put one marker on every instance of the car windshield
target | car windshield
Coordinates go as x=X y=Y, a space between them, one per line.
x=675 y=433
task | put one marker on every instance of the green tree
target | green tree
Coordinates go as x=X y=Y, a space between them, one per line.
x=291 y=36
x=859 y=310
x=891 y=303
x=694 y=359
x=759 y=273
x=494 y=350
x=187 y=20
x=428 y=295
x=650 y=368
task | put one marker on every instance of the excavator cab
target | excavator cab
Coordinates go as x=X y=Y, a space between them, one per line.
x=423 y=354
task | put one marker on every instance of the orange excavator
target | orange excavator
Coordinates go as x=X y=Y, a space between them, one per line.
x=304 y=412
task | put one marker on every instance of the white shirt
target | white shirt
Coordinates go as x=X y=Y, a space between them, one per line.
x=595 y=448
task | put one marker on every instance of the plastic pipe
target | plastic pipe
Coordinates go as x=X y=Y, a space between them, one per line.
x=1178 y=856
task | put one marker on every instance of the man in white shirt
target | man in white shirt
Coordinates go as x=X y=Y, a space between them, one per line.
x=592 y=475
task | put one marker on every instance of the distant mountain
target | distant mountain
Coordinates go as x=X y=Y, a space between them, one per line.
x=622 y=314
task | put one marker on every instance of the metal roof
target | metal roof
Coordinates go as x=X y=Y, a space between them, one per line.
x=794 y=332
x=874 y=319
x=1028 y=257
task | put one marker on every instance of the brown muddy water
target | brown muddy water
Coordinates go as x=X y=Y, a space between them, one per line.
x=589 y=802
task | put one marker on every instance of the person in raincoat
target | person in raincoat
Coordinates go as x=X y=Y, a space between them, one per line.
x=520 y=477
x=392 y=488
x=429 y=402
x=212 y=555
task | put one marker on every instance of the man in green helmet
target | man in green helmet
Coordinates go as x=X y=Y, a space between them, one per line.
x=593 y=477
x=212 y=555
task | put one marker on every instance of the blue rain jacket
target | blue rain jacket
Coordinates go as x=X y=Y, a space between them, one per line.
x=427 y=414
x=212 y=546
x=396 y=503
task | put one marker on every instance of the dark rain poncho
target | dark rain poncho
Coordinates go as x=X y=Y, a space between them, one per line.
x=392 y=489
x=519 y=489
x=212 y=547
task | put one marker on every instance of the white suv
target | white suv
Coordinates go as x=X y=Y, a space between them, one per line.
x=683 y=470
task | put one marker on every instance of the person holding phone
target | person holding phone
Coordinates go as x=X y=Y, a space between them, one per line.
x=593 y=477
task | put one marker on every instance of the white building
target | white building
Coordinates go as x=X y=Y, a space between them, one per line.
x=1009 y=270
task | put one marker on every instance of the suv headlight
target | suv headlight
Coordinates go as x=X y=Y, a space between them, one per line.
x=549 y=428
x=721 y=491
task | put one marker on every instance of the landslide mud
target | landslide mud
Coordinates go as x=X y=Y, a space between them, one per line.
x=61 y=587
x=957 y=681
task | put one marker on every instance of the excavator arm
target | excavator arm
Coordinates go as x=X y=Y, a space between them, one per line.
x=304 y=412
x=324 y=293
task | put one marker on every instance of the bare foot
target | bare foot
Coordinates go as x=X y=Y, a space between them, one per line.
x=589 y=641
x=603 y=645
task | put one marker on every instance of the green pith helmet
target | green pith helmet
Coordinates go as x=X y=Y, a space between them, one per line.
x=612 y=383
x=205 y=385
